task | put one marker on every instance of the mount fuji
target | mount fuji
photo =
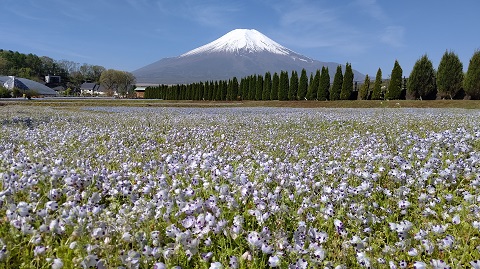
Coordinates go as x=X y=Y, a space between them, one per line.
x=239 y=53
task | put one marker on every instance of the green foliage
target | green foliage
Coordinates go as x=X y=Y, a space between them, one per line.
x=364 y=89
x=252 y=87
x=4 y=92
x=472 y=77
x=235 y=88
x=394 y=90
x=303 y=85
x=324 y=84
x=347 y=85
x=449 y=75
x=337 y=84
x=267 y=86
x=377 y=86
x=259 y=88
x=118 y=81
x=283 y=86
x=293 y=90
x=312 y=88
x=421 y=83
x=275 y=85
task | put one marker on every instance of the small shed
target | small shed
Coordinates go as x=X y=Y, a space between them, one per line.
x=140 y=91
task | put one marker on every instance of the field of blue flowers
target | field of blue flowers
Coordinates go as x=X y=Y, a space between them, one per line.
x=118 y=187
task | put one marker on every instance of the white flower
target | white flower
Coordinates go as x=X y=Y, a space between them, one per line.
x=439 y=264
x=274 y=261
x=475 y=264
x=419 y=265
x=216 y=265
x=57 y=264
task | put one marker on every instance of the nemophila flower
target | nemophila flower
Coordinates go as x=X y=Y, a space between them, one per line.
x=51 y=205
x=207 y=256
x=439 y=264
x=300 y=264
x=363 y=259
x=475 y=264
x=274 y=261
x=233 y=263
x=216 y=265
x=159 y=265
x=57 y=263
x=439 y=229
x=39 y=250
x=419 y=265
x=446 y=243
x=89 y=261
x=413 y=252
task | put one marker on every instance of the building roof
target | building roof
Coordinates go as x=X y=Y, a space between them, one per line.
x=91 y=85
x=11 y=82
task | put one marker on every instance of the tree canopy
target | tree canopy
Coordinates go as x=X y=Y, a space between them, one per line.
x=449 y=75
x=421 y=83
x=472 y=77
x=394 y=90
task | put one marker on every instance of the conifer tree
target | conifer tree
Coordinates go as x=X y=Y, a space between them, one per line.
x=472 y=77
x=283 y=86
x=449 y=75
x=421 y=83
x=224 y=90
x=312 y=88
x=292 y=93
x=275 y=84
x=303 y=85
x=364 y=89
x=235 y=88
x=216 y=92
x=323 y=92
x=347 y=85
x=394 y=90
x=267 y=86
x=259 y=88
x=337 y=84
x=377 y=86
x=242 y=88
x=252 y=87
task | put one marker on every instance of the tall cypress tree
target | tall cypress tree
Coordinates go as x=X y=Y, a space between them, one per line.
x=472 y=77
x=267 y=86
x=303 y=85
x=364 y=89
x=259 y=88
x=377 y=86
x=235 y=88
x=421 y=83
x=323 y=92
x=312 y=87
x=283 y=86
x=337 y=84
x=292 y=92
x=347 y=85
x=449 y=75
x=394 y=90
x=275 y=84
x=252 y=87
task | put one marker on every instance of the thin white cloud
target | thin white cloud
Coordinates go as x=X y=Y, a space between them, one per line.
x=211 y=13
x=373 y=9
x=393 y=36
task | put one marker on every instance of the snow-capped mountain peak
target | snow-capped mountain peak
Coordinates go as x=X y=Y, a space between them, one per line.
x=241 y=40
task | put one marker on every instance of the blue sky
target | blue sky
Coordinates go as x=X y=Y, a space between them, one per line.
x=129 y=34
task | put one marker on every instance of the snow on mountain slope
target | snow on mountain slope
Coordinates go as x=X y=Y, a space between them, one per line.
x=242 y=40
